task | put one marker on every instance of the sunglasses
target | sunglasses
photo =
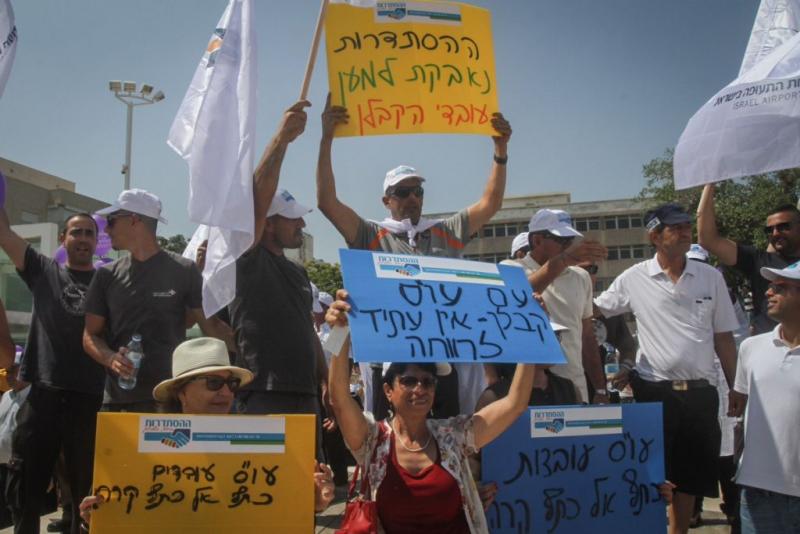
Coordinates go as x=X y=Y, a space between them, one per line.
x=591 y=269
x=111 y=219
x=411 y=382
x=779 y=288
x=780 y=227
x=215 y=383
x=563 y=241
x=404 y=192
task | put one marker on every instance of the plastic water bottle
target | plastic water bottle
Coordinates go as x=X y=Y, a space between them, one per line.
x=135 y=354
x=611 y=366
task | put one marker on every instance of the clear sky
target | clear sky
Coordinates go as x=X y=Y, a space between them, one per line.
x=593 y=90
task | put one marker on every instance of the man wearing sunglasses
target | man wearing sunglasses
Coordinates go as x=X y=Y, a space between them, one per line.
x=768 y=383
x=567 y=291
x=151 y=292
x=405 y=230
x=66 y=385
x=685 y=320
x=782 y=229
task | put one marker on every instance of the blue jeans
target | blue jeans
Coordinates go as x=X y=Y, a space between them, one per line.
x=767 y=512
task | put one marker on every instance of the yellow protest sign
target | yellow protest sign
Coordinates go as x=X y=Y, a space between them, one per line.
x=169 y=473
x=412 y=67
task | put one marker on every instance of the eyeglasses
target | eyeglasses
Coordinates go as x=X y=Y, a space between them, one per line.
x=404 y=192
x=779 y=288
x=591 y=269
x=111 y=219
x=215 y=383
x=411 y=382
x=563 y=241
x=780 y=227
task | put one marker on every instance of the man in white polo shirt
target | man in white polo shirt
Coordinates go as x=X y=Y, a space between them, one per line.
x=684 y=316
x=567 y=292
x=768 y=382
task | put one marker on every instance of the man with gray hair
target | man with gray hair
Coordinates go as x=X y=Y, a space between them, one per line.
x=150 y=292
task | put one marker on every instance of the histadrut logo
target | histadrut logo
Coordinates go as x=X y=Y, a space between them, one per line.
x=553 y=421
x=405 y=265
x=555 y=426
x=175 y=433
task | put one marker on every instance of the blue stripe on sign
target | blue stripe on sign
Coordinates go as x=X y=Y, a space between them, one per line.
x=156 y=436
x=592 y=422
x=237 y=436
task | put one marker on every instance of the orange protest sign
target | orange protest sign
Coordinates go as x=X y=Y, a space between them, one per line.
x=412 y=67
x=168 y=473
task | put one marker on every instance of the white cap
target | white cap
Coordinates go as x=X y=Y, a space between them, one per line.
x=284 y=204
x=521 y=241
x=557 y=222
x=315 y=306
x=792 y=272
x=325 y=298
x=398 y=174
x=698 y=253
x=135 y=201
x=442 y=368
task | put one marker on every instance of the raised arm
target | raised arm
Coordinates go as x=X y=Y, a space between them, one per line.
x=490 y=421
x=483 y=210
x=583 y=251
x=11 y=243
x=7 y=348
x=341 y=215
x=707 y=234
x=265 y=177
x=351 y=419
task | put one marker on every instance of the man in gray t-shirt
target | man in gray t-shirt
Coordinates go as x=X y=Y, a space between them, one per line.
x=406 y=231
x=150 y=292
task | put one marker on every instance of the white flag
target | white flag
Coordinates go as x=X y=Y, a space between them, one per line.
x=214 y=131
x=752 y=126
x=777 y=21
x=8 y=42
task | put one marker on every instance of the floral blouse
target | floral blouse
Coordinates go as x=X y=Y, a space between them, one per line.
x=456 y=442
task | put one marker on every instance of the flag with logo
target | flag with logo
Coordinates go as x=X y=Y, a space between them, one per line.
x=751 y=126
x=214 y=131
x=8 y=42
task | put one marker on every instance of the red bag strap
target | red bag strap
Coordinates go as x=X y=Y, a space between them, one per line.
x=382 y=433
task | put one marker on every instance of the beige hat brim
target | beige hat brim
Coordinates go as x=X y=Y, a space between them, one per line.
x=165 y=390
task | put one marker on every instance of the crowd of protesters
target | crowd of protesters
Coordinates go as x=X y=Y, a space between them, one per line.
x=415 y=429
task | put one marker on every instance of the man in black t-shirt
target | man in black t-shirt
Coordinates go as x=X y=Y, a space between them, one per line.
x=783 y=232
x=66 y=385
x=150 y=292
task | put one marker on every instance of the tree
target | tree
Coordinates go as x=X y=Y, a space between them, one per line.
x=176 y=243
x=742 y=205
x=326 y=276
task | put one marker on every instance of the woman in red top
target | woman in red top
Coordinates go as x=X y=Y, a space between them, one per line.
x=417 y=467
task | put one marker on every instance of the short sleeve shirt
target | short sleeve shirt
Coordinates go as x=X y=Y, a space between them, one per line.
x=749 y=262
x=676 y=321
x=446 y=238
x=54 y=355
x=271 y=318
x=150 y=298
x=769 y=374
x=569 y=302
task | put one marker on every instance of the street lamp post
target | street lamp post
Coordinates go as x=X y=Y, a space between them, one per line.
x=126 y=93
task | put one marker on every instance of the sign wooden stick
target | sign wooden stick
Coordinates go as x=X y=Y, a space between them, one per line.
x=312 y=54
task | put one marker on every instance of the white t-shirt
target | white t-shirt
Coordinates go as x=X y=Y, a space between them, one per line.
x=569 y=302
x=769 y=374
x=676 y=322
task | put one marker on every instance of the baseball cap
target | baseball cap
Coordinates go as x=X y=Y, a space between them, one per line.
x=521 y=241
x=669 y=213
x=398 y=174
x=135 y=201
x=284 y=204
x=792 y=272
x=697 y=253
x=557 y=222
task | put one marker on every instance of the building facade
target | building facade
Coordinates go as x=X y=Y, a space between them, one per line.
x=617 y=224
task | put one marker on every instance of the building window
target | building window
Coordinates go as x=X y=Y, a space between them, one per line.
x=500 y=231
x=594 y=224
x=488 y=231
x=638 y=251
x=624 y=253
x=611 y=223
x=581 y=225
x=613 y=253
x=623 y=222
x=636 y=222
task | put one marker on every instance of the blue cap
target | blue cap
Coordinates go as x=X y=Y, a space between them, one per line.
x=670 y=213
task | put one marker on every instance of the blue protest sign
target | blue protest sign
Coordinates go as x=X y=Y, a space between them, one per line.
x=576 y=469
x=427 y=309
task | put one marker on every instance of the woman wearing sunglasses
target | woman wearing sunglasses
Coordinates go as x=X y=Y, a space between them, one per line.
x=417 y=467
x=204 y=383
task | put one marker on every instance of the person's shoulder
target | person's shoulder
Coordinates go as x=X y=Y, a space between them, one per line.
x=172 y=257
x=756 y=343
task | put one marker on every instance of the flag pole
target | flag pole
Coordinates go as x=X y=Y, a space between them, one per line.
x=312 y=54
